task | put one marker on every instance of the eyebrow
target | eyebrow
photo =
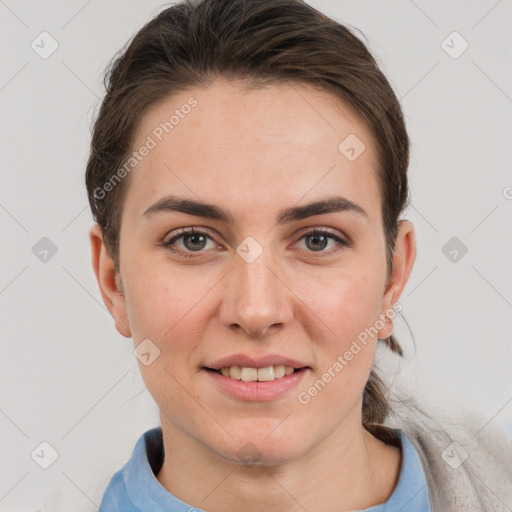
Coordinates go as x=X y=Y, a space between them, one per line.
x=211 y=211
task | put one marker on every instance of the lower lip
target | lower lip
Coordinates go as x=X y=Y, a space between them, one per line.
x=258 y=391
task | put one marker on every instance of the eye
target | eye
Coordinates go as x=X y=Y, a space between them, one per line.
x=318 y=239
x=192 y=239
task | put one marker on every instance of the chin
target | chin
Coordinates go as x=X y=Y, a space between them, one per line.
x=261 y=450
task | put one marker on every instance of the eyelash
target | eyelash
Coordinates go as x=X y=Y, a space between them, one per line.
x=193 y=231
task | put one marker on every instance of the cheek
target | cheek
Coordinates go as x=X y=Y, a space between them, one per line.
x=160 y=299
x=168 y=307
x=347 y=304
x=346 y=354
x=165 y=306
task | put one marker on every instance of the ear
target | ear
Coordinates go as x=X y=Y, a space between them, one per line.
x=404 y=256
x=109 y=281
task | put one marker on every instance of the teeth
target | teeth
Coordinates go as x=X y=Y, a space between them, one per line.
x=256 y=374
x=265 y=374
x=249 y=374
x=235 y=372
x=279 y=371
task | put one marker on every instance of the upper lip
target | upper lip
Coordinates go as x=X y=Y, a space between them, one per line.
x=255 y=361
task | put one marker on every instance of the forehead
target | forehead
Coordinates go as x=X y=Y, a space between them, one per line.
x=254 y=147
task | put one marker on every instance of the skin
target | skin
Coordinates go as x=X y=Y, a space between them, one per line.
x=254 y=153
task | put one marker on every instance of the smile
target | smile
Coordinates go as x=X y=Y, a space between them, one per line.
x=251 y=384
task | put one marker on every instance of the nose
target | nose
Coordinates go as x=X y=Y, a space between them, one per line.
x=256 y=297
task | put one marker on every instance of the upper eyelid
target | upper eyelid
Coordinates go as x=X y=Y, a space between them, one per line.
x=190 y=231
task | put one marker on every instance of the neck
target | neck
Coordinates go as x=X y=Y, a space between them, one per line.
x=350 y=469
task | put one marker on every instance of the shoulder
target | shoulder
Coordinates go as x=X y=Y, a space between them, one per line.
x=115 y=497
x=129 y=485
x=468 y=463
x=467 y=458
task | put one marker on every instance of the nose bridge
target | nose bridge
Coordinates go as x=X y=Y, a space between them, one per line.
x=256 y=298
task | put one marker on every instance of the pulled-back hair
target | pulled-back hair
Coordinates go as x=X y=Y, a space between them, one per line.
x=254 y=43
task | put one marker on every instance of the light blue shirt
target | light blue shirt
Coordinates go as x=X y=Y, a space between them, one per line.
x=134 y=488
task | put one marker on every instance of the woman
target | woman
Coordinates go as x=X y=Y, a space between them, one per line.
x=247 y=174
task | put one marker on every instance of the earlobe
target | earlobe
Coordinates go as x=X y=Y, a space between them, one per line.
x=122 y=331
x=109 y=281
x=404 y=256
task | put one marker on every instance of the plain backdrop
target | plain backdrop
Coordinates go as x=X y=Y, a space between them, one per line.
x=67 y=377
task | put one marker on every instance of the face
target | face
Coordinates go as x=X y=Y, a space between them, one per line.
x=257 y=286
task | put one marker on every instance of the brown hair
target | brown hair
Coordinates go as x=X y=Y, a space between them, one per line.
x=255 y=42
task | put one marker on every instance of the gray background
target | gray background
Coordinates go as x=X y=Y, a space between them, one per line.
x=68 y=378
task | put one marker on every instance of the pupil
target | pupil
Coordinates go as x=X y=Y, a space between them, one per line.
x=194 y=237
x=317 y=237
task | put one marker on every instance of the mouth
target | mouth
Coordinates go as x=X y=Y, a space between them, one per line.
x=256 y=377
x=253 y=374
